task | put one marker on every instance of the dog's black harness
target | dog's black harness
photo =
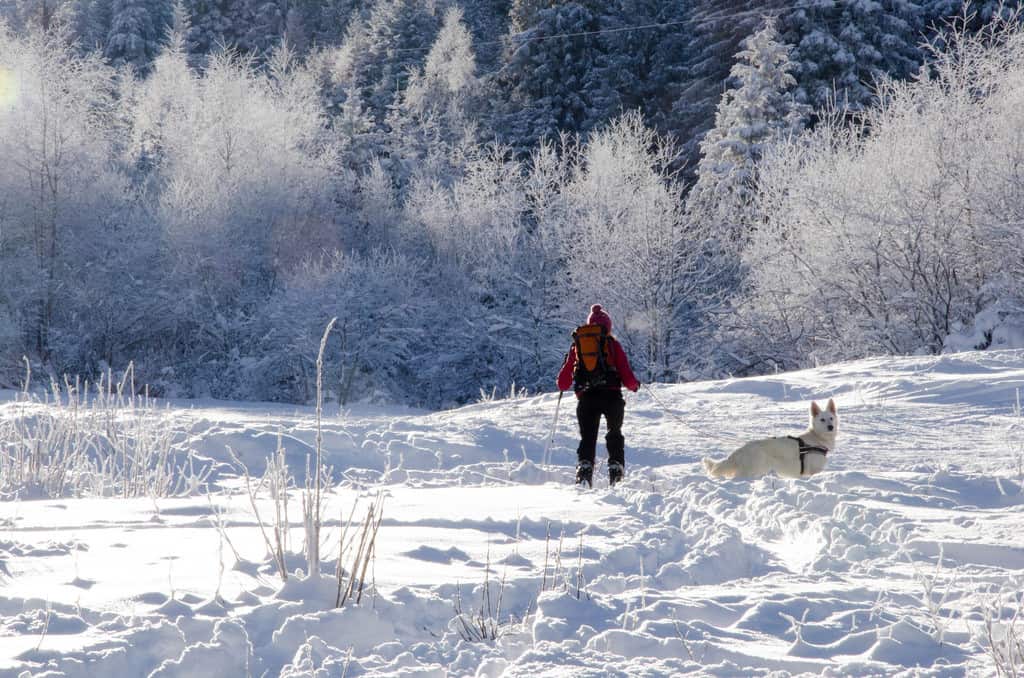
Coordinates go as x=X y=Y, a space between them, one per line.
x=806 y=449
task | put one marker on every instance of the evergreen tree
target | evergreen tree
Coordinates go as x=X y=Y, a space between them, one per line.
x=436 y=113
x=842 y=47
x=757 y=111
x=658 y=69
x=210 y=26
x=137 y=29
x=487 y=19
x=258 y=26
x=551 y=81
x=975 y=13
x=449 y=73
x=90 y=23
x=702 y=59
x=378 y=55
x=522 y=14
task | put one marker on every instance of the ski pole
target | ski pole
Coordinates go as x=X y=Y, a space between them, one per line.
x=554 y=427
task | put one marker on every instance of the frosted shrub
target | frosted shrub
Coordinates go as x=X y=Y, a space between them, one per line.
x=93 y=440
x=245 y=161
x=628 y=243
x=496 y=265
x=888 y=236
x=493 y=396
x=61 y=196
x=476 y=225
x=378 y=300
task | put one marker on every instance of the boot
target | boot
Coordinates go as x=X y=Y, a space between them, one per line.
x=585 y=473
x=615 y=470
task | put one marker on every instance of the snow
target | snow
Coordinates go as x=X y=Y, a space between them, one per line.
x=993 y=327
x=885 y=564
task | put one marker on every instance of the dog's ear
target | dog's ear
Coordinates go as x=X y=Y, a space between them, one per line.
x=831 y=406
x=815 y=410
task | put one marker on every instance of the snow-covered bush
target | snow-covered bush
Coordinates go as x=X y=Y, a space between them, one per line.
x=63 y=201
x=889 y=236
x=240 y=165
x=487 y=259
x=382 y=347
x=998 y=326
x=627 y=245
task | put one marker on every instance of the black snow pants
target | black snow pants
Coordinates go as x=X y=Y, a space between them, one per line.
x=589 y=408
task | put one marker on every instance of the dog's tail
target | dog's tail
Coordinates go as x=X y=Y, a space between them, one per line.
x=719 y=469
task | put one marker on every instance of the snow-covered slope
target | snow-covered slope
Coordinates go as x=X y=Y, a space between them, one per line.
x=891 y=559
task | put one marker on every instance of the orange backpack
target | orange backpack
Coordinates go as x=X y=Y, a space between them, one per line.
x=594 y=364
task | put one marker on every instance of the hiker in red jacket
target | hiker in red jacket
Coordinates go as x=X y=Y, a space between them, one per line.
x=597 y=369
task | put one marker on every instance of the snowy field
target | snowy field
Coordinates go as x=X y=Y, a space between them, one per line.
x=906 y=557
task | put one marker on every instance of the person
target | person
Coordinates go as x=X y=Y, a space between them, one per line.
x=597 y=397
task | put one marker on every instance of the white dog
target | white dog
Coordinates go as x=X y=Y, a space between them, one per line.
x=789 y=456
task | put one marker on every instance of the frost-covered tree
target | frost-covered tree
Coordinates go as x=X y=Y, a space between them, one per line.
x=378 y=55
x=59 y=185
x=165 y=96
x=435 y=118
x=137 y=30
x=450 y=69
x=758 y=111
x=243 y=190
x=74 y=252
x=711 y=37
x=493 y=261
x=842 y=47
x=890 y=237
x=628 y=244
x=551 y=79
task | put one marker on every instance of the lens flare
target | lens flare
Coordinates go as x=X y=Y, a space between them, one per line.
x=8 y=88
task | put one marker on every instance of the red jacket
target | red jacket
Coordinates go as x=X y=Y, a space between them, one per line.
x=618 y=358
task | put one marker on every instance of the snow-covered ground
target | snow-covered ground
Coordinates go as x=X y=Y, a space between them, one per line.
x=885 y=564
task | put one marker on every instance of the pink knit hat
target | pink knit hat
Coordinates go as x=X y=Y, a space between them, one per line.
x=599 y=317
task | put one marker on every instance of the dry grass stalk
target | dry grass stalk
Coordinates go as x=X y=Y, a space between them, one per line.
x=483 y=624
x=350 y=587
x=276 y=476
x=313 y=499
